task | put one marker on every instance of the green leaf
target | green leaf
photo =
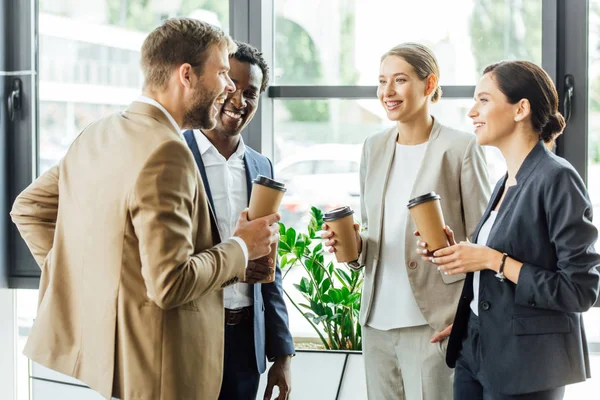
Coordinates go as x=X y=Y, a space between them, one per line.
x=353 y=298
x=330 y=267
x=345 y=276
x=327 y=300
x=345 y=293
x=309 y=265
x=282 y=229
x=290 y=237
x=318 y=248
x=310 y=315
x=299 y=248
x=301 y=288
x=336 y=295
x=283 y=262
x=305 y=283
x=317 y=307
x=318 y=273
x=284 y=248
x=325 y=285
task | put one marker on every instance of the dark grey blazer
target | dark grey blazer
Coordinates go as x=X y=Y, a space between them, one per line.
x=532 y=335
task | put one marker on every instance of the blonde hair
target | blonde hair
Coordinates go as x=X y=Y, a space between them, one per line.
x=423 y=61
x=178 y=41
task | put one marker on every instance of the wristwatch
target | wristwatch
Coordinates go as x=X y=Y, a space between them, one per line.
x=500 y=274
x=354 y=264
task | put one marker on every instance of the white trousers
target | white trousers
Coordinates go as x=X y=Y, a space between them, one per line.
x=401 y=364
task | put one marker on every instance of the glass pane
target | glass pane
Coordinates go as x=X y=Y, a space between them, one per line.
x=590 y=388
x=318 y=145
x=89 y=54
x=340 y=42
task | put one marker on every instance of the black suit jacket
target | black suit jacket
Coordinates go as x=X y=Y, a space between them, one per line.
x=531 y=334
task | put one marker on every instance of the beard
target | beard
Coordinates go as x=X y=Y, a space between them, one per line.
x=201 y=115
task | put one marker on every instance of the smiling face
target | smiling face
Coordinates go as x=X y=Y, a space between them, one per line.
x=401 y=93
x=493 y=116
x=240 y=106
x=210 y=90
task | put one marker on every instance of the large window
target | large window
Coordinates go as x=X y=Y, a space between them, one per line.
x=592 y=317
x=320 y=46
x=339 y=42
x=89 y=57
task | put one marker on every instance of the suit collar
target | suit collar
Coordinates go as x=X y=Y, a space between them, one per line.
x=193 y=145
x=531 y=161
x=154 y=112
x=252 y=169
x=204 y=145
x=529 y=165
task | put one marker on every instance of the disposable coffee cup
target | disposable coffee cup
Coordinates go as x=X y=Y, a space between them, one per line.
x=426 y=212
x=265 y=200
x=341 y=222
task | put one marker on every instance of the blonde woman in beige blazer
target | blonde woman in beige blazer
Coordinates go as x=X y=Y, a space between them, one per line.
x=407 y=305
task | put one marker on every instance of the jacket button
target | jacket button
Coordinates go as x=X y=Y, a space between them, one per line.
x=485 y=305
x=412 y=265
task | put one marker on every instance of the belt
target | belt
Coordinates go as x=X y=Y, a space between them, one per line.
x=235 y=317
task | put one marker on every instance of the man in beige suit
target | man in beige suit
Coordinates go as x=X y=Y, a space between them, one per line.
x=131 y=298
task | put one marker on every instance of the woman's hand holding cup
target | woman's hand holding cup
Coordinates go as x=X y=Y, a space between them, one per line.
x=422 y=248
x=329 y=235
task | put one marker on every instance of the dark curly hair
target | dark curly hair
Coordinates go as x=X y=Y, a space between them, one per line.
x=524 y=80
x=249 y=54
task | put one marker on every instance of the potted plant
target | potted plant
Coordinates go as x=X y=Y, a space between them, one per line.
x=331 y=291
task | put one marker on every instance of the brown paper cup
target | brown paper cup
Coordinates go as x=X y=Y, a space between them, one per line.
x=426 y=212
x=341 y=223
x=265 y=200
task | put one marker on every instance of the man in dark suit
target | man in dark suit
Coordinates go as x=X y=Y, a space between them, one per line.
x=256 y=319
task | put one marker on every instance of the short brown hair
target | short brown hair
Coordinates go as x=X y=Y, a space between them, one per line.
x=422 y=59
x=519 y=80
x=178 y=41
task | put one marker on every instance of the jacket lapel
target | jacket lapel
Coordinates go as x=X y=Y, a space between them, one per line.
x=491 y=205
x=528 y=166
x=193 y=145
x=252 y=171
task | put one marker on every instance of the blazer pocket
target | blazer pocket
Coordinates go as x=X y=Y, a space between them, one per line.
x=448 y=279
x=540 y=325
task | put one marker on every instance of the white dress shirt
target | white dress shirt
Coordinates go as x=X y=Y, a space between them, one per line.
x=394 y=304
x=228 y=186
x=482 y=238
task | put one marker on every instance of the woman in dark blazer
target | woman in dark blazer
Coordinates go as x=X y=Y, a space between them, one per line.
x=532 y=267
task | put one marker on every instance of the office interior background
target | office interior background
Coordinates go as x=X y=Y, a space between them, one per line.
x=66 y=63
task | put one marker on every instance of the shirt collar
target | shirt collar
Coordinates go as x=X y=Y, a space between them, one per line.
x=205 y=145
x=148 y=100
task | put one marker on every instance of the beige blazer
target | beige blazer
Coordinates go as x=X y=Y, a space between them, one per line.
x=454 y=166
x=130 y=294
